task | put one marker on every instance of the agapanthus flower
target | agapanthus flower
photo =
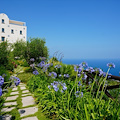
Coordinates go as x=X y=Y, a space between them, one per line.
x=57 y=66
x=66 y=75
x=84 y=64
x=16 y=81
x=84 y=76
x=0 y=91
x=104 y=74
x=41 y=64
x=90 y=69
x=32 y=59
x=32 y=65
x=79 y=75
x=79 y=94
x=111 y=65
x=42 y=58
x=53 y=74
x=46 y=66
x=35 y=72
x=58 y=86
x=109 y=75
x=78 y=68
x=60 y=75
x=79 y=83
x=98 y=70
x=1 y=80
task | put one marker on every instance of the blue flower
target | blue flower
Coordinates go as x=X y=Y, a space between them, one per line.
x=90 y=69
x=58 y=86
x=41 y=64
x=32 y=65
x=111 y=65
x=79 y=83
x=57 y=66
x=35 y=72
x=17 y=81
x=84 y=64
x=42 y=58
x=79 y=94
x=0 y=91
x=49 y=86
x=98 y=70
x=79 y=75
x=66 y=75
x=53 y=74
x=60 y=75
x=32 y=59
x=1 y=80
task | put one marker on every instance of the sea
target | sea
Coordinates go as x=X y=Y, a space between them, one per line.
x=97 y=63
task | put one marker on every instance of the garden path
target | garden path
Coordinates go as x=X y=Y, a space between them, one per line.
x=20 y=101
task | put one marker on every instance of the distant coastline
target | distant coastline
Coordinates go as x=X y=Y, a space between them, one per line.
x=98 y=63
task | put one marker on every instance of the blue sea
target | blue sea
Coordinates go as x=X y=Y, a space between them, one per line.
x=97 y=63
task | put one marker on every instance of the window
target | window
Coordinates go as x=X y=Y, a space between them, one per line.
x=3 y=38
x=20 y=32
x=3 y=30
x=12 y=31
x=3 y=21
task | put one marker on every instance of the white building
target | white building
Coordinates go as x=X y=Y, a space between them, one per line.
x=11 y=30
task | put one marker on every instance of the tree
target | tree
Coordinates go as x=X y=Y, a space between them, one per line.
x=36 y=48
x=19 y=48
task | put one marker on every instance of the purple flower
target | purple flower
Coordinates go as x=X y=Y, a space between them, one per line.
x=1 y=80
x=0 y=91
x=79 y=83
x=58 y=86
x=84 y=77
x=79 y=94
x=53 y=74
x=90 y=69
x=79 y=75
x=32 y=65
x=32 y=59
x=66 y=75
x=49 y=86
x=60 y=75
x=75 y=68
x=109 y=75
x=41 y=64
x=17 y=81
x=111 y=65
x=98 y=70
x=79 y=69
x=84 y=64
x=35 y=72
x=42 y=58
x=57 y=66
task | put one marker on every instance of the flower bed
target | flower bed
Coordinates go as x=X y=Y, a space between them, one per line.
x=61 y=91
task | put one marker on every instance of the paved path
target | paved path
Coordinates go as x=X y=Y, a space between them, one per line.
x=28 y=107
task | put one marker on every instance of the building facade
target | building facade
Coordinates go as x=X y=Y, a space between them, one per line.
x=12 y=30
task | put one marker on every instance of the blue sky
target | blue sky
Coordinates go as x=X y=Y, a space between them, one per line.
x=80 y=29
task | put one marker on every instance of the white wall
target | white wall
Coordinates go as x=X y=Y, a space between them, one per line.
x=11 y=38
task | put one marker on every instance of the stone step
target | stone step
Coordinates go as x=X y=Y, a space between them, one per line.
x=27 y=111
x=28 y=100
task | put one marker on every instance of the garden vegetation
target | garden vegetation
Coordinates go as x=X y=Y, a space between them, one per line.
x=60 y=90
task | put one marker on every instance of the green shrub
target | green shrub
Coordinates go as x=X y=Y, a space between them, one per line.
x=4 y=53
x=6 y=72
x=36 y=48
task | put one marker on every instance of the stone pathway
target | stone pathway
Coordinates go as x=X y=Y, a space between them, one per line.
x=28 y=108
